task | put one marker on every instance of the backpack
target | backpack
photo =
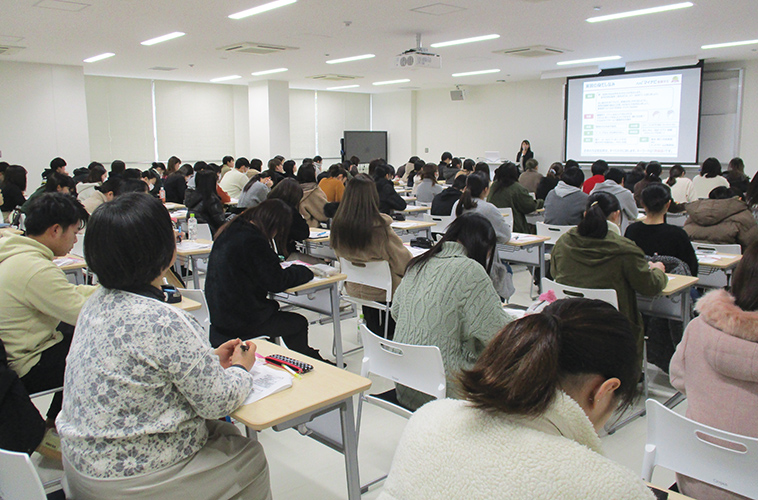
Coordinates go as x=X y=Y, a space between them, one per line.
x=21 y=425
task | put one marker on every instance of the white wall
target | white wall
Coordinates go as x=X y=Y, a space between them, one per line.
x=396 y=113
x=749 y=129
x=43 y=114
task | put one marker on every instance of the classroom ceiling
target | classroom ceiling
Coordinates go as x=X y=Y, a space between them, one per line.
x=67 y=32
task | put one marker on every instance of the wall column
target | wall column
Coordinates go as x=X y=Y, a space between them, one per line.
x=269 y=108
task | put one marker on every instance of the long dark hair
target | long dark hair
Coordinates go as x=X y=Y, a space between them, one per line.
x=472 y=231
x=675 y=172
x=711 y=168
x=484 y=168
x=745 y=280
x=358 y=212
x=524 y=366
x=289 y=191
x=306 y=173
x=506 y=175
x=475 y=186
x=599 y=206
x=16 y=175
x=428 y=172
x=205 y=183
x=263 y=175
x=273 y=218
x=751 y=196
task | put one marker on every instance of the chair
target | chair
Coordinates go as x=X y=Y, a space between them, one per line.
x=419 y=367
x=376 y=274
x=552 y=231
x=507 y=215
x=699 y=451
x=441 y=222
x=567 y=292
x=18 y=477
x=201 y=315
x=710 y=277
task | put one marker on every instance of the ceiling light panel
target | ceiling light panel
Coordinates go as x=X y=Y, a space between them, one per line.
x=62 y=5
x=225 y=78
x=99 y=57
x=640 y=12
x=261 y=8
x=391 y=82
x=269 y=71
x=343 y=87
x=349 y=59
x=728 y=44
x=591 y=60
x=465 y=40
x=481 y=72
x=164 y=38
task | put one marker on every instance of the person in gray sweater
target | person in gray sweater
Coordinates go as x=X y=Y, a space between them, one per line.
x=564 y=205
x=614 y=184
x=473 y=200
x=255 y=191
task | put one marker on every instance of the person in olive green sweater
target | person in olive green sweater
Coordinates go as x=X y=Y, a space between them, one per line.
x=507 y=192
x=595 y=255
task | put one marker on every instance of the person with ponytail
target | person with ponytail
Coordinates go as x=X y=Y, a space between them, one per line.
x=595 y=255
x=474 y=198
x=507 y=191
x=681 y=187
x=652 y=174
x=460 y=261
x=527 y=427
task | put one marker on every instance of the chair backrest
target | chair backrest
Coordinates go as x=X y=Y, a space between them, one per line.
x=376 y=274
x=553 y=231
x=204 y=232
x=568 y=292
x=441 y=222
x=18 y=478
x=676 y=219
x=507 y=215
x=419 y=367
x=201 y=315
x=713 y=248
x=699 y=451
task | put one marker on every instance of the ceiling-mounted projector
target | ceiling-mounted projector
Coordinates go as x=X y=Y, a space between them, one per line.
x=418 y=57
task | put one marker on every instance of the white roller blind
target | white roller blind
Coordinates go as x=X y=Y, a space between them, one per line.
x=195 y=120
x=302 y=123
x=337 y=112
x=120 y=118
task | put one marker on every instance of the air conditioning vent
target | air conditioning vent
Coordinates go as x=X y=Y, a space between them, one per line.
x=260 y=49
x=162 y=68
x=10 y=50
x=532 y=51
x=332 y=77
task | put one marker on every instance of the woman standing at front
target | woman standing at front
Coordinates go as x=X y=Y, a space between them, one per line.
x=144 y=388
x=525 y=153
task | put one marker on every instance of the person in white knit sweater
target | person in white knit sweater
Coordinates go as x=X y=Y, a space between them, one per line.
x=527 y=428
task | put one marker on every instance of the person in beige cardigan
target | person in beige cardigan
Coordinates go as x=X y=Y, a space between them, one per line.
x=360 y=233
x=715 y=364
x=312 y=205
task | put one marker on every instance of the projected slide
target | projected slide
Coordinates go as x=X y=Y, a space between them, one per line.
x=637 y=116
x=632 y=117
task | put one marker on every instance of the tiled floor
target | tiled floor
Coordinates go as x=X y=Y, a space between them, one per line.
x=303 y=468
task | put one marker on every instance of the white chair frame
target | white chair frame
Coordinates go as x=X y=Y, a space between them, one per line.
x=375 y=274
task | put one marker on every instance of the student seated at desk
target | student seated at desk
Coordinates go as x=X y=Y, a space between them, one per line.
x=312 y=205
x=507 y=192
x=95 y=178
x=614 y=184
x=714 y=364
x=722 y=219
x=428 y=312
x=549 y=182
x=442 y=204
x=12 y=189
x=204 y=201
x=38 y=305
x=175 y=184
x=333 y=185
x=428 y=188
x=564 y=205
x=244 y=268
x=708 y=179
x=527 y=428
x=144 y=388
x=103 y=193
x=361 y=233
x=595 y=255
x=256 y=190
x=389 y=200
x=681 y=187
x=290 y=192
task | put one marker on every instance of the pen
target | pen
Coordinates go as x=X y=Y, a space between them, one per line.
x=292 y=372
x=244 y=347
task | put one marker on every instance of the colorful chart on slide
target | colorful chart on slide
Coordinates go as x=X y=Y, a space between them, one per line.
x=632 y=117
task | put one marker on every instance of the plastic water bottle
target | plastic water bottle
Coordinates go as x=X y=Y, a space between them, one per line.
x=192 y=227
x=162 y=194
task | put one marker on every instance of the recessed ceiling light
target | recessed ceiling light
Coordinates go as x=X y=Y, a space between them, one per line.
x=640 y=12
x=99 y=58
x=170 y=36
x=261 y=8
x=390 y=82
x=729 y=44
x=225 y=78
x=465 y=40
x=343 y=87
x=348 y=59
x=269 y=72
x=591 y=60
x=482 y=72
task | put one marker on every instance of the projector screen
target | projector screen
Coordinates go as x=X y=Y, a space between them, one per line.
x=632 y=117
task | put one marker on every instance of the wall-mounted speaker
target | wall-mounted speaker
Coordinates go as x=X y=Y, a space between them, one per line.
x=457 y=95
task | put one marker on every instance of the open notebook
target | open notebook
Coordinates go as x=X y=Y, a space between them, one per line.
x=267 y=380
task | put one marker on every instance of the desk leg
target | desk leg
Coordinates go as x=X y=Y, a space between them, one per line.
x=195 y=277
x=541 y=250
x=686 y=307
x=336 y=327
x=429 y=232
x=350 y=443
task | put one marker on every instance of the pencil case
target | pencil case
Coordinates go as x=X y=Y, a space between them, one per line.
x=296 y=365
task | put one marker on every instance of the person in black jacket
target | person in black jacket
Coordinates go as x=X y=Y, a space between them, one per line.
x=175 y=184
x=443 y=202
x=291 y=193
x=204 y=202
x=13 y=187
x=389 y=200
x=243 y=269
x=525 y=153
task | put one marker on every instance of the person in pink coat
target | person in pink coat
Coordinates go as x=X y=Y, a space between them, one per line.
x=715 y=364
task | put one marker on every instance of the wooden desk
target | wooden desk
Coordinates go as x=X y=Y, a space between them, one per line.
x=724 y=261
x=528 y=249
x=75 y=269
x=313 y=404
x=672 y=495
x=406 y=227
x=187 y=304
x=173 y=206
x=674 y=302
x=193 y=255
x=409 y=199
x=415 y=209
x=321 y=295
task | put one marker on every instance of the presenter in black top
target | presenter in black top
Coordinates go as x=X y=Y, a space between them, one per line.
x=524 y=154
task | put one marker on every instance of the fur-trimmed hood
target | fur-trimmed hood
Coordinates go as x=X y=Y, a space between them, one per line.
x=717 y=308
